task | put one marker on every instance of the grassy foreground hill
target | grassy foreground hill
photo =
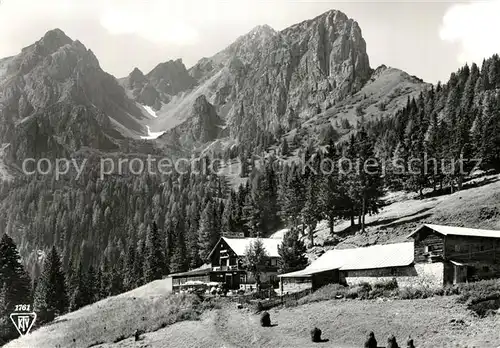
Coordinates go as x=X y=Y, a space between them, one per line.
x=181 y=321
x=147 y=308
x=434 y=322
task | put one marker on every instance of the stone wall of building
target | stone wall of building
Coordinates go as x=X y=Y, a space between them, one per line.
x=420 y=274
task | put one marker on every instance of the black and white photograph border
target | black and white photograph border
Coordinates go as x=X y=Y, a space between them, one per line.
x=249 y=174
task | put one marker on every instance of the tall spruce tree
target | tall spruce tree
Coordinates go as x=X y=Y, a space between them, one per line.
x=255 y=259
x=154 y=263
x=208 y=235
x=292 y=252
x=80 y=295
x=51 y=298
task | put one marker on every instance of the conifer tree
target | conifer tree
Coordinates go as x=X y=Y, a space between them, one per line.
x=79 y=297
x=130 y=277
x=192 y=240
x=154 y=262
x=14 y=285
x=255 y=259
x=92 y=287
x=311 y=212
x=208 y=234
x=292 y=252
x=293 y=197
x=51 y=298
x=178 y=261
x=138 y=269
x=368 y=177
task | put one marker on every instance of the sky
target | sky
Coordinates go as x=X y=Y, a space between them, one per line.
x=424 y=38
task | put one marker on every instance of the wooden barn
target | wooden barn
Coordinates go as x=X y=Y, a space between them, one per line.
x=438 y=255
x=465 y=254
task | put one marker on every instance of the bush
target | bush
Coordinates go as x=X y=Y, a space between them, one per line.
x=478 y=290
x=386 y=285
x=316 y=335
x=482 y=297
x=486 y=307
x=265 y=319
x=361 y=291
x=411 y=293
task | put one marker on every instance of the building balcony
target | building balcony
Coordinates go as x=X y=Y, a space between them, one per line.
x=236 y=268
x=225 y=268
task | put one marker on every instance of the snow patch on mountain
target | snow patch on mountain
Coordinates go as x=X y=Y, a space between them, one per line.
x=150 y=110
x=152 y=135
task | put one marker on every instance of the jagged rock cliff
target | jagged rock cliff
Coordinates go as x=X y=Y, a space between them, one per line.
x=160 y=85
x=266 y=75
x=55 y=98
x=203 y=125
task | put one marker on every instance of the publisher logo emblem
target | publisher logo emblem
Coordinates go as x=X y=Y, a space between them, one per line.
x=23 y=322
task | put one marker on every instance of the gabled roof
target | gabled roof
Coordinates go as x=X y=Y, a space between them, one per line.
x=372 y=257
x=239 y=245
x=459 y=231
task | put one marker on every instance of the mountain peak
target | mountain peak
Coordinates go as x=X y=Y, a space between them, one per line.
x=54 y=39
x=137 y=75
x=171 y=77
x=264 y=29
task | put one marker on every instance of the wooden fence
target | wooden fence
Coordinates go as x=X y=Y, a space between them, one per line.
x=269 y=299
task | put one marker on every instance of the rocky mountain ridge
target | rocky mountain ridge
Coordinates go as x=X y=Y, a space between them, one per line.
x=55 y=98
x=160 y=84
x=315 y=73
x=272 y=81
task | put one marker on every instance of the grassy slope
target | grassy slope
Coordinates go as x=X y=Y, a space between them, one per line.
x=477 y=205
x=147 y=308
x=344 y=322
x=435 y=323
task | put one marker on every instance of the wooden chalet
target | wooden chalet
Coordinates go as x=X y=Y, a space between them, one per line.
x=226 y=266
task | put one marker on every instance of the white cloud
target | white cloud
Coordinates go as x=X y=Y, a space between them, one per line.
x=159 y=22
x=475 y=26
